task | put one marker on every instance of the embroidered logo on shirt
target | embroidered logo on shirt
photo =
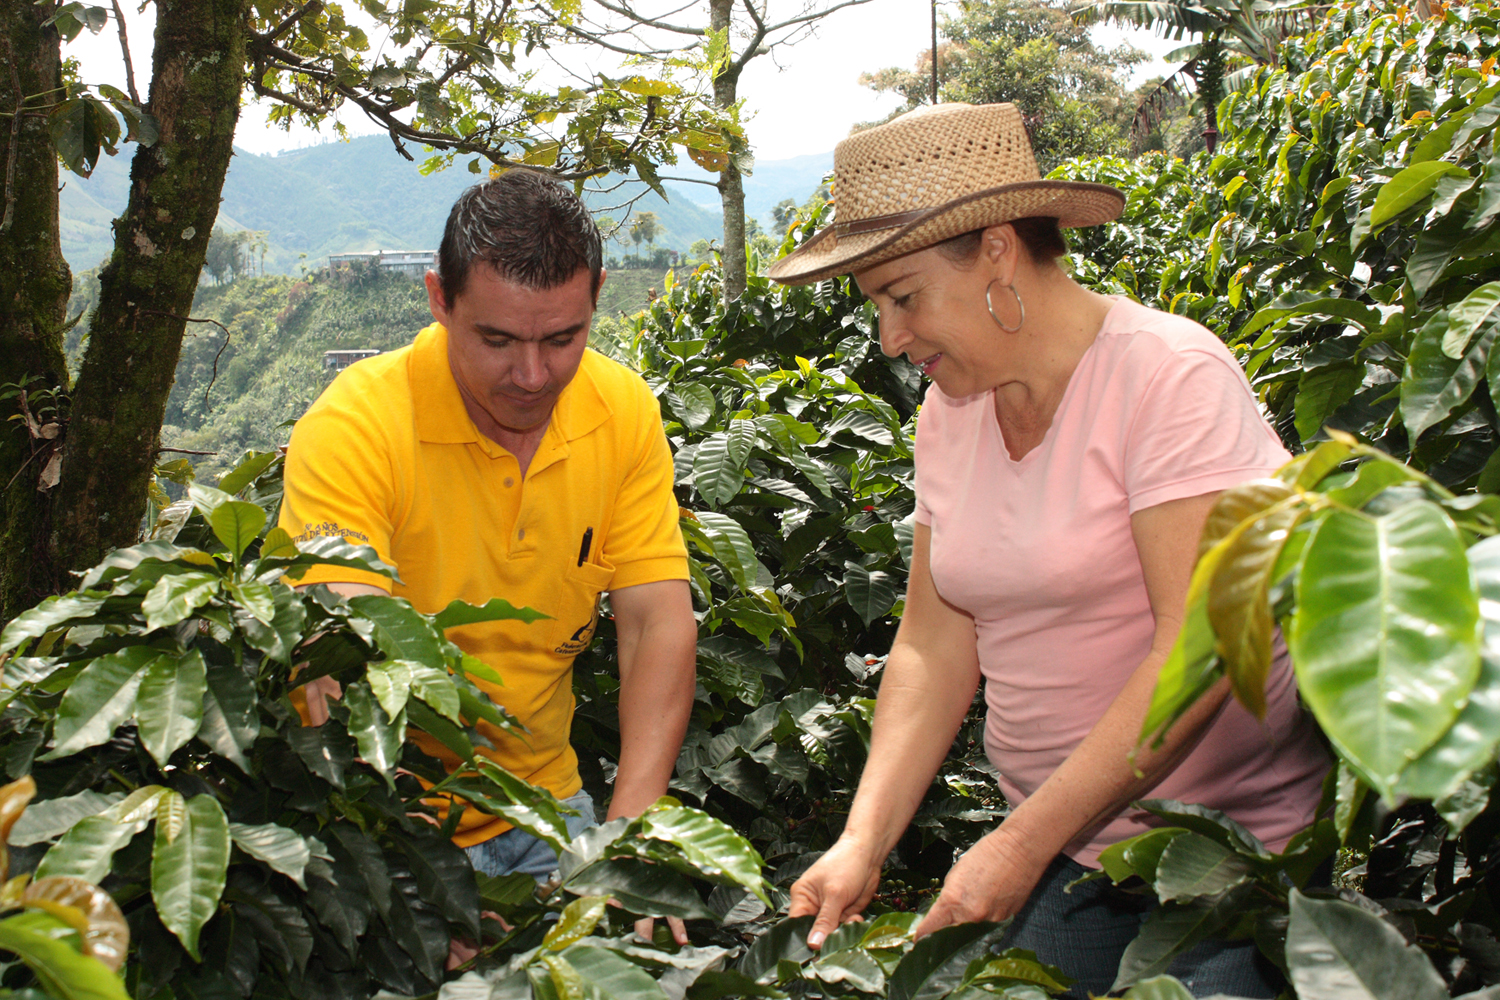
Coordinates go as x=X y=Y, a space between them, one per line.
x=579 y=640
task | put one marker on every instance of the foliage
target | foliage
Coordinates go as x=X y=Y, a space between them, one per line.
x=69 y=934
x=1339 y=243
x=1337 y=306
x=1231 y=33
x=231 y=255
x=251 y=853
x=1030 y=53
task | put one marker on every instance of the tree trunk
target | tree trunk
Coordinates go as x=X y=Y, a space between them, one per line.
x=146 y=289
x=34 y=287
x=732 y=195
x=731 y=188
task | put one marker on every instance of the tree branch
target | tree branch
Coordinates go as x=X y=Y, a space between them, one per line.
x=651 y=23
x=135 y=97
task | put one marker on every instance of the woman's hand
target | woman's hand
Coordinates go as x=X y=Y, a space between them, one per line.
x=836 y=888
x=992 y=881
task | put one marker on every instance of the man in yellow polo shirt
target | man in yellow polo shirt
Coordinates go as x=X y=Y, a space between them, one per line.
x=497 y=457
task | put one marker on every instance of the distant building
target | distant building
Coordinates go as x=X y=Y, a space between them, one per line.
x=337 y=361
x=413 y=263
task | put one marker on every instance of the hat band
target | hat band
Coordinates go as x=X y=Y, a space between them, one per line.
x=878 y=222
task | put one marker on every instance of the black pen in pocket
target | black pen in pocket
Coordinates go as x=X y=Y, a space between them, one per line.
x=583 y=550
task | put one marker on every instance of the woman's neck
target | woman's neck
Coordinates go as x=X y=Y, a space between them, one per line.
x=1061 y=324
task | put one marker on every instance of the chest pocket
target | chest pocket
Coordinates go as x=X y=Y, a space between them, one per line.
x=584 y=584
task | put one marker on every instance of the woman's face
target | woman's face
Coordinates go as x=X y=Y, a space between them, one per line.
x=934 y=312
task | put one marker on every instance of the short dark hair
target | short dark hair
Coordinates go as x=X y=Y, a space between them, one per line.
x=527 y=226
x=1041 y=236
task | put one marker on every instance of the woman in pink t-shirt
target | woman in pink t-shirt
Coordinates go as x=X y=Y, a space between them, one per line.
x=1068 y=454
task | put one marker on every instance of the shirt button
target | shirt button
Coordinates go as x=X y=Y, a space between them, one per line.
x=509 y=482
x=521 y=534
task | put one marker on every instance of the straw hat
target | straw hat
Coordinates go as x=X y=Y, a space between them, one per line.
x=932 y=174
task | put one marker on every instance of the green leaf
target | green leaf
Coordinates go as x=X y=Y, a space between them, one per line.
x=1239 y=608
x=732 y=547
x=852 y=966
x=533 y=809
x=99 y=700
x=1471 y=742
x=280 y=637
x=324 y=749
x=642 y=888
x=1434 y=385
x=1321 y=391
x=230 y=720
x=708 y=844
x=1140 y=855
x=435 y=687
x=1475 y=315
x=169 y=709
x=81 y=127
x=256 y=598
x=1173 y=928
x=937 y=963
x=400 y=632
x=88 y=849
x=578 y=920
x=1158 y=988
x=246 y=472
x=1336 y=949
x=871 y=593
x=43 y=618
x=237 y=523
x=42 y=942
x=459 y=613
x=187 y=873
x=54 y=817
x=1409 y=187
x=607 y=976
x=379 y=735
x=716 y=474
x=784 y=942
x=1211 y=823
x=1191 y=667
x=693 y=404
x=178 y=595
x=391 y=682
x=285 y=850
x=1385 y=637
x=1192 y=866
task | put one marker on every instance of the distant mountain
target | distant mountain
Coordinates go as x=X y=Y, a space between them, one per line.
x=362 y=195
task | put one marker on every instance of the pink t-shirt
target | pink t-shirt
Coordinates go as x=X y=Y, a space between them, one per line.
x=1040 y=552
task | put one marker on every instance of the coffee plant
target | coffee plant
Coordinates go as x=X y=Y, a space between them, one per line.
x=1342 y=241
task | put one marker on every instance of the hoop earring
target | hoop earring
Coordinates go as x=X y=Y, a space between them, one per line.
x=991 y=307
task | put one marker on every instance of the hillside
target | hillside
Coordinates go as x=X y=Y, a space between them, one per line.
x=362 y=195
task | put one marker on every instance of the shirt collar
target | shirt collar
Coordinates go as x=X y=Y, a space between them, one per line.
x=442 y=418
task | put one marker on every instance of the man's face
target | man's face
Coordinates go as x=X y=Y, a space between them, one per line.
x=514 y=349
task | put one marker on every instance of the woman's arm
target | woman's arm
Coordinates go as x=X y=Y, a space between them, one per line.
x=994 y=878
x=928 y=684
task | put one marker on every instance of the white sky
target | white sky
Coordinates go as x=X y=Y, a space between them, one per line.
x=801 y=99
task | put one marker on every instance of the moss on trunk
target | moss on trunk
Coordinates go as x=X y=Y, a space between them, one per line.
x=34 y=286
x=146 y=289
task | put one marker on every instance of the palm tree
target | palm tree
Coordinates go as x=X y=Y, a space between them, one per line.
x=1238 y=33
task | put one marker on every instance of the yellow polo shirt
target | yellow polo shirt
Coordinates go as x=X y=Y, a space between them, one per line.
x=388 y=457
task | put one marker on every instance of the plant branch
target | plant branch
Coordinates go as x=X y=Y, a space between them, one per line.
x=135 y=96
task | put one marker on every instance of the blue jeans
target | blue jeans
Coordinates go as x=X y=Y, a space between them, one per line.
x=516 y=851
x=1085 y=934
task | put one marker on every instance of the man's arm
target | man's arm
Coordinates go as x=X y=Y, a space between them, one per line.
x=320 y=689
x=658 y=638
